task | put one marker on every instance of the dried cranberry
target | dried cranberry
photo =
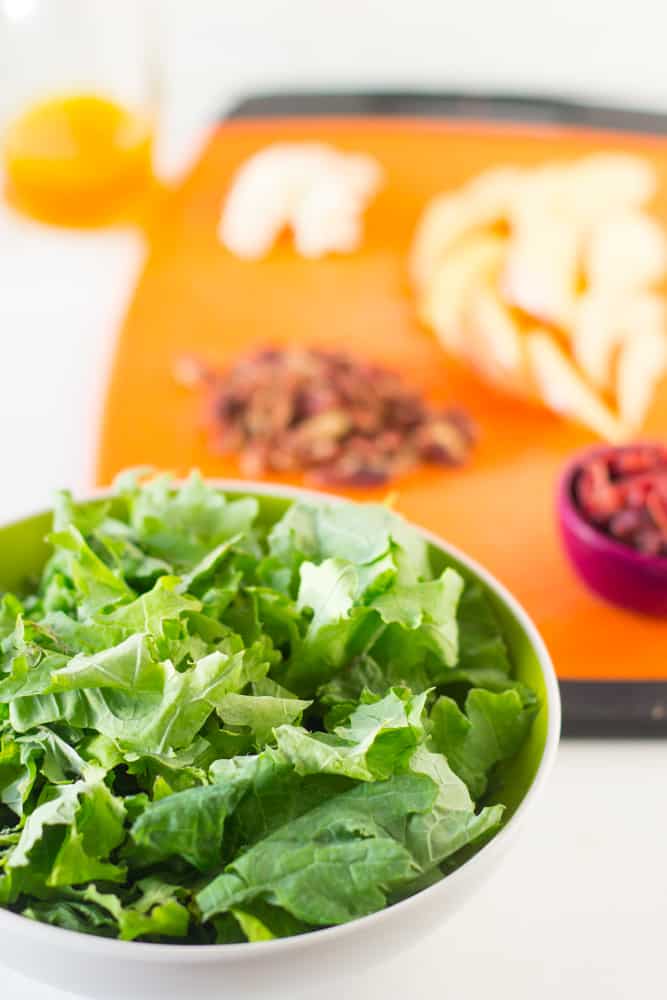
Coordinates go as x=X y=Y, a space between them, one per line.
x=624 y=494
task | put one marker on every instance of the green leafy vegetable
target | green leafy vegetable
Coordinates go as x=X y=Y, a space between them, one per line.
x=219 y=726
x=157 y=912
x=492 y=729
x=261 y=713
x=452 y=823
x=379 y=739
x=189 y=824
x=334 y=863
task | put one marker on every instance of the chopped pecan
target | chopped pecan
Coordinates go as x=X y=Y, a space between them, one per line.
x=340 y=420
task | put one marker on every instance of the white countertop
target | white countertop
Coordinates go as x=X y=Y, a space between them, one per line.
x=579 y=909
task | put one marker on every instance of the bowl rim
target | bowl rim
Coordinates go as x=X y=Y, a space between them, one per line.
x=141 y=951
x=573 y=520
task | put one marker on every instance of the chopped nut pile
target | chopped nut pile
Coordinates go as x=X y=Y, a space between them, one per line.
x=624 y=493
x=340 y=420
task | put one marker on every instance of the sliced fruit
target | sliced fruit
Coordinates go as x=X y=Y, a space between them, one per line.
x=628 y=250
x=596 y=335
x=576 y=256
x=308 y=186
x=588 y=189
x=497 y=186
x=604 y=320
x=645 y=311
x=564 y=390
x=544 y=190
x=450 y=217
x=254 y=216
x=642 y=364
x=542 y=267
x=443 y=302
x=327 y=218
x=606 y=182
x=364 y=173
x=494 y=343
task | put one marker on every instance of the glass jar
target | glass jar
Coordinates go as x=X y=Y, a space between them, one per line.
x=78 y=106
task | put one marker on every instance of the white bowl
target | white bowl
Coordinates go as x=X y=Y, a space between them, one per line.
x=316 y=964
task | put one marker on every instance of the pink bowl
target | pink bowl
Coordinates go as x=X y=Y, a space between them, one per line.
x=612 y=570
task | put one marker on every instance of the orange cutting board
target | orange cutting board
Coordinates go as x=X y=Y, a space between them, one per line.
x=195 y=297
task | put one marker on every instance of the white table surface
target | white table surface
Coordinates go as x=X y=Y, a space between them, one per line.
x=580 y=908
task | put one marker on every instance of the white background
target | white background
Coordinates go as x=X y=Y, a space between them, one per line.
x=580 y=908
